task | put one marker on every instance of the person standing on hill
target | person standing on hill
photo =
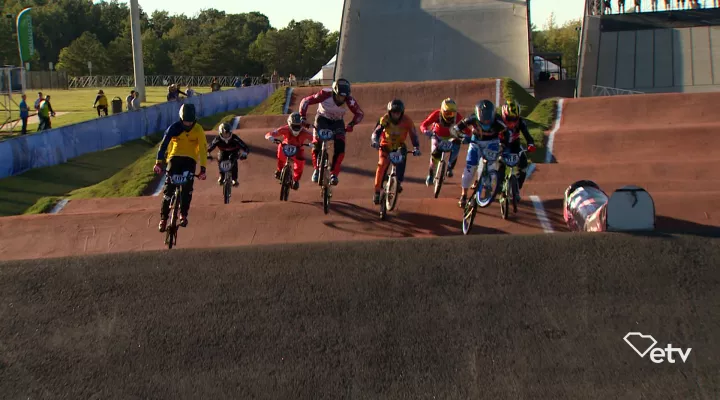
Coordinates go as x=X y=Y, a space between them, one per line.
x=39 y=99
x=101 y=103
x=45 y=111
x=24 y=114
x=332 y=104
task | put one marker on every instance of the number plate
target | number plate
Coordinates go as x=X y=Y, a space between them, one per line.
x=325 y=134
x=445 y=145
x=396 y=157
x=511 y=159
x=179 y=179
x=289 y=150
x=225 y=165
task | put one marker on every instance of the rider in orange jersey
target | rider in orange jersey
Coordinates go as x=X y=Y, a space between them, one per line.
x=392 y=130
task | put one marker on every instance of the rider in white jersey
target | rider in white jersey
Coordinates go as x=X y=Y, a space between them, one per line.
x=332 y=104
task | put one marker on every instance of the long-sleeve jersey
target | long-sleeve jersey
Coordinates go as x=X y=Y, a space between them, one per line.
x=234 y=144
x=285 y=134
x=442 y=128
x=183 y=144
x=515 y=134
x=471 y=124
x=395 y=135
x=329 y=109
x=101 y=100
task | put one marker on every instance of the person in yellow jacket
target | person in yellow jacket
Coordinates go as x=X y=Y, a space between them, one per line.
x=183 y=145
x=101 y=103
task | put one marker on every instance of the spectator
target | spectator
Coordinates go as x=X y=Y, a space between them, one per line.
x=215 y=86
x=247 y=81
x=668 y=5
x=38 y=100
x=24 y=114
x=174 y=93
x=237 y=82
x=654 y=5
x=45 y=111
x=292 y=80
x=189 y=91
x=129 y=101
x=101 y=103
x=638 y=6
x=621 y=6
x=263 y=79
x=274 y=78
x=607 y=7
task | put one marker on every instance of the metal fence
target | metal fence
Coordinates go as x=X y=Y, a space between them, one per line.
x=46 y=80
x=165 y=80
x=610 y=91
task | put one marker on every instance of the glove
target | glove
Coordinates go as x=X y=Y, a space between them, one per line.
x=157 y=169
x=416 y=152
x=428 y=133
x=304 y=122
x=209 y=156
x=243 y=155
x=531 y=148
x=202 y=175
x=375 y=145
x=349 y=128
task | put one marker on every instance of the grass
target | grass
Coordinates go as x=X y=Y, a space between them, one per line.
x=512 y=90
x=77 y=103
x=124 y=170
x=273 y=105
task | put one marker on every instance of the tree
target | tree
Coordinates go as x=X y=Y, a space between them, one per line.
x=75 y=57
x=564 y=39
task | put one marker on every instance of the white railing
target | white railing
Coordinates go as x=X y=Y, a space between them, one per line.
x=155 y=80
x=611 y=91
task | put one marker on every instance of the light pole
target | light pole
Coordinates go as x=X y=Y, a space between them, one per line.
x=138 y=68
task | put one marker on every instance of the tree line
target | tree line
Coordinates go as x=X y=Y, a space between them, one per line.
x=554 y=38
x=69 y=33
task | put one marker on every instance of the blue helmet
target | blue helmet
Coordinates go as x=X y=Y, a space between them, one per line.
x=485 y=113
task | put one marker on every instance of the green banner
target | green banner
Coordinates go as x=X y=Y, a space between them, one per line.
x=25 y=35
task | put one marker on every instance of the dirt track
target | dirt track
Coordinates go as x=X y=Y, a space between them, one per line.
x=446 y=318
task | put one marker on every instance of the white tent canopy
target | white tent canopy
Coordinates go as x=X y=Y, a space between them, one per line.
x=327 y=70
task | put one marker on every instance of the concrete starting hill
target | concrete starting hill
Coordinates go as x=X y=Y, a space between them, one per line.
x=270 y=299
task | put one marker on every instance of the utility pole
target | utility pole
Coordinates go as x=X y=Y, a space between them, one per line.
x=139 y=70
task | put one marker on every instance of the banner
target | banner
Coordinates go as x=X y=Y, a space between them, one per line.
x=25 y=35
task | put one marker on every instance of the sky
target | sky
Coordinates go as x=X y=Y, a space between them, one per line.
x=329 y=12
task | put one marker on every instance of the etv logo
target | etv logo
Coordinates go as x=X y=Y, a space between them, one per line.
x=657 y=354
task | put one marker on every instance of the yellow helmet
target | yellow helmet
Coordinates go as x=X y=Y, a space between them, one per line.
x=448 y=109
x=511 y=113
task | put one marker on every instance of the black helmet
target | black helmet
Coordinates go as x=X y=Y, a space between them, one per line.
x=341 y=87
x=485 y=113
x=187 y=112
x=294 y=121
x=396 y=106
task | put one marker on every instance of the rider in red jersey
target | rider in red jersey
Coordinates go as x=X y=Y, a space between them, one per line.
x=331 y=110
x=295 y=134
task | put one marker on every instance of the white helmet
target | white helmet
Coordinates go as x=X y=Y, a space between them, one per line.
x=225 y=132
x=294 y=121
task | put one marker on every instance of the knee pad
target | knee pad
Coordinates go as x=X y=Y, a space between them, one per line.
x=468 y=176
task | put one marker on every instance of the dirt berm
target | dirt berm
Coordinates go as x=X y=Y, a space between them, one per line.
x=496 y=317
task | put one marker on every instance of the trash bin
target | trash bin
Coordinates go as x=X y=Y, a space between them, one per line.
x=586 y=208
x=116 y=105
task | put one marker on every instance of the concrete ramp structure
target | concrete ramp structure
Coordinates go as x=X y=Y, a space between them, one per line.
x=673 y=51
x=419 y=40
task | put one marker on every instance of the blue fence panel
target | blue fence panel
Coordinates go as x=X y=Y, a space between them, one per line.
x=56 y=146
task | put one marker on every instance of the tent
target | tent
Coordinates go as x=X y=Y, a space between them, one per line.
x=326 y=72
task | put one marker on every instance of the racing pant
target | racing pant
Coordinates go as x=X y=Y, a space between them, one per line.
x=435 y=154
x=178 y=165
x=229 y=155
x=298 y=166
x=384 y=163
x=337 y=126
x=472 y=161
x=102 y=108
x=514 y=147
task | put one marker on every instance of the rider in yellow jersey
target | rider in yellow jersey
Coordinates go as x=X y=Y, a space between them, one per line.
x=183 y=145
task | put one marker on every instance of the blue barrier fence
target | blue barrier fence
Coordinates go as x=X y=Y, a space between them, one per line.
x=56 y=146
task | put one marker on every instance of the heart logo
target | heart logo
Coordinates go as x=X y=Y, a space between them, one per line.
x=641 y=354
